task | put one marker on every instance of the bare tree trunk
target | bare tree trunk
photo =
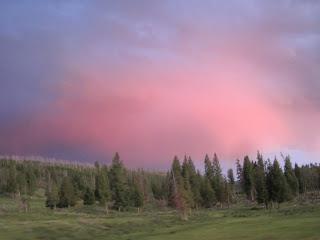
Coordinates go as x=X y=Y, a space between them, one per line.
x=184 y=215
x=107 y=209
x=251 y=195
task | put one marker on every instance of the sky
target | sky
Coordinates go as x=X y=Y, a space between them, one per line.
x=82 y=79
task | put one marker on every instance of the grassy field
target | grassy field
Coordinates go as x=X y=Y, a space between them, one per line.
x=294 y=222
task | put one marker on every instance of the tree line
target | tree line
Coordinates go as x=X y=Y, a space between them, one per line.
x=183 y=187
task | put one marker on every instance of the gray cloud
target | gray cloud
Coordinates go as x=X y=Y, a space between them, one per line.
x=46 y=43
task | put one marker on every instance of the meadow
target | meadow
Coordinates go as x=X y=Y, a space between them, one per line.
x=291 y=221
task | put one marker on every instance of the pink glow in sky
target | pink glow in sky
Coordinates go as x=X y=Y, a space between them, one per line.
x=155 y=80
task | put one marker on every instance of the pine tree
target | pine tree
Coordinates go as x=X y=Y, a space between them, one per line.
x=118 y=183
x=159 y=187
x=208 y=168
x=137 y=197
x=12 y=181
x=67 y=195
x=79 y=184
x=183 y=188
x=278 y=187
x=291 y=178
x=31 y=181
x=230 y=176
x=239 y=173
x=260 y=180
x=301 y=182
x=88 y=198
x=248 y=178
x=227 y=192
x=217 y=181
x=102 y=188
x=178 y=197
x=186 y=172
x=208 y=195
x=269 y=185
x=52 y=196
x=230 y=185
x=195 y=182
x=176 y=184
x=21 y=183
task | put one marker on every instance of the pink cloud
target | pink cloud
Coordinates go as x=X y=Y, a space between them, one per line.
x=183 y=85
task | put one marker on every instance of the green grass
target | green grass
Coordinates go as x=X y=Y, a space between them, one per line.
x=290 y=222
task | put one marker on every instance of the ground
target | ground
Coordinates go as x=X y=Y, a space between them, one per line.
x=290 y=222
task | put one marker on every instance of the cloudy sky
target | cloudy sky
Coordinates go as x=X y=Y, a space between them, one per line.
x=81 y=79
